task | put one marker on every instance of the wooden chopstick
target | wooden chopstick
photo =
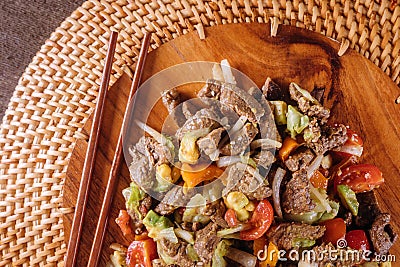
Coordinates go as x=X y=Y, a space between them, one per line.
x=88 y=167
x=117 y=160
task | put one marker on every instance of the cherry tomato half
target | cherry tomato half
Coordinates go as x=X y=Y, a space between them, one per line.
x=357 y=239
x=261 y=221
x=141 y=253
x=360 y=178
x=335 y=230
x=230 y=218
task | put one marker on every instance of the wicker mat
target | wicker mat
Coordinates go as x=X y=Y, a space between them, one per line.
x=58 y=89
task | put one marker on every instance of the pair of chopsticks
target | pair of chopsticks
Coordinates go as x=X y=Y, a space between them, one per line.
x=88 y=167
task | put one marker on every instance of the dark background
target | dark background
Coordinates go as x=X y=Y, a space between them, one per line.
x=24 y=27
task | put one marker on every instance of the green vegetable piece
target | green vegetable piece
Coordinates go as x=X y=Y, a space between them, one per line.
x=192 y=254
x=296 y=121
x=302 y=242
x=155 y=223
x=133 y=195
x=348 y=198
x=221 y=250
x=280 y=109
x=330 y=215
x=307 y=217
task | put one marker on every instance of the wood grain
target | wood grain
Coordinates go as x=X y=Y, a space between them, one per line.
x=358 y=93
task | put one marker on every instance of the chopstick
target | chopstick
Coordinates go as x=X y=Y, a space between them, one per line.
x=117 y=160
x=88 y=167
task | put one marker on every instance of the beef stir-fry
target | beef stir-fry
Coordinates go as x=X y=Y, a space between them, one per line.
x=264 y=171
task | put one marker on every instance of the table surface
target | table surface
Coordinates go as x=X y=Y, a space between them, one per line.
x=24 y=27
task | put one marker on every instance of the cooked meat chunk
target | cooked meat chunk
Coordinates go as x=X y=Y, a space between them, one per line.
x=318 y=93
x=241 y=102
x=299 y=160
x=368 y=209
x=272 y=91
x=331 y=137
x=177 y=252
x=284 y=235
x=308 y=107
x=239 y=179
x=312 y=132
x=174 y=199
x=240 y=140
x=382 y=234
x=216 y=211
x=204 y=118
x=206 y=242
x=212 y=89
x=348 y=219
x=146 y=154
x=172 y=100
x=296 y=197
x=209 y=144
x=268 y=129
x=156 y=153
x=264 y=158
x=189 y=109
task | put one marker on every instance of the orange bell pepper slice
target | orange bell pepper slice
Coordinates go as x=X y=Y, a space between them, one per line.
x=318 y=180
x=193 y=177
x=289 y=144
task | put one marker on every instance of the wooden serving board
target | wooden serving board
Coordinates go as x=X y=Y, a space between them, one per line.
x=358 y=93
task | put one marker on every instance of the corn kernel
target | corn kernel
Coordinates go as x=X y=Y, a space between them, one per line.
x=242 y=215
x=251 y=206
x=164 y=171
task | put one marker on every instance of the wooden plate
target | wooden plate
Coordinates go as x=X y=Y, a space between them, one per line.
x=358 y=93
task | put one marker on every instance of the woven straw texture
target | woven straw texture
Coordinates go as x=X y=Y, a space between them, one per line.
x=57 y=92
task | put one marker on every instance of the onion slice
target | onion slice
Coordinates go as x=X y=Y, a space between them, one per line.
x=239 y=256
x=314 y=165
x=228 y=160
x=265 y=144
x=276 y=186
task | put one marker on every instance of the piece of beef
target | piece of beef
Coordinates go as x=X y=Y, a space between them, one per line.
x=368 y=209
x=240 y=140
x=206 y=242
x=284 y=235
x=216 y=211
x=264 y=158
x=268 y=129
x=204 y=118
x=296 y=197
x=212 y=89
x=176 y=251
x=312 y=132
x=272 y=91
x=174 y=199
x=189 y=109
x=239 y=179
x=141 y=170
x=331 y=137
x=156 y=153
x=348 y=218
x=310 y=108
x=318 y=93
x=241 y=102
x=382 y=234
x=209 y=144
x=299 y=160
x=172 y=99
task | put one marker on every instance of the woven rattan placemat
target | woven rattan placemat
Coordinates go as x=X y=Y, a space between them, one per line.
x=57 y=92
